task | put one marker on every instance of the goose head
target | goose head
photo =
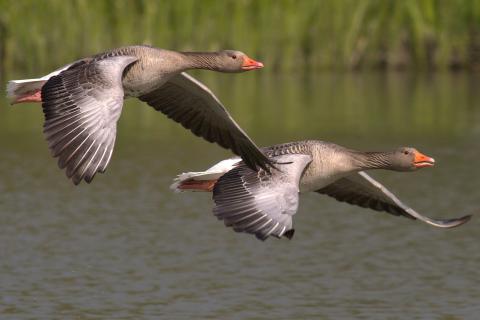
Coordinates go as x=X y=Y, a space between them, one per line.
x=236 y=61
x=410 y=159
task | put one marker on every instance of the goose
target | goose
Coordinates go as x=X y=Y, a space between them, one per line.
x=263 y=204
x=82 y=102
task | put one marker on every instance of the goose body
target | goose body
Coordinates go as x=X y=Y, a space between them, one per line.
x=263 y=204
x=82 y=102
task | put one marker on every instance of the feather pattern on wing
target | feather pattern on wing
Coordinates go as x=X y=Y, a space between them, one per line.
x=189 y=102
x=355 y=190
x=259 y=203
x=82 y=106
x=362 y=190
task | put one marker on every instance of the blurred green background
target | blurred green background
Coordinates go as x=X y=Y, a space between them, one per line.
x=291 y=35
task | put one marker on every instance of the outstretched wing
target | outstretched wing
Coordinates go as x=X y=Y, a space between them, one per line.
x=259 y=203
x=364 y=191
x=82 y=106
x=189 y=102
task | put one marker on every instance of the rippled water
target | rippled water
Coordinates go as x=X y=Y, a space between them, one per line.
x=125 y=247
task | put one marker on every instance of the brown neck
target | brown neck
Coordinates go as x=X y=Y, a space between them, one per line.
x=373 y=160
x=201 y=60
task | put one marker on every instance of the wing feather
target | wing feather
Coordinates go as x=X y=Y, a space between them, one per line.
x=362 y=190
x=190 y=103
x=82 y=105
x=259 y=203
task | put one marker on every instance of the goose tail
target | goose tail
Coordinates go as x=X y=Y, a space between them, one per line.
x=194 y=181
x=26 y=90
x=30 y=90
x=203 y=180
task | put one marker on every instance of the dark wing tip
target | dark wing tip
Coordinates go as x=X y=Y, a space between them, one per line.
x=289 y=234
x=452 y=223
x=268 y=165
x=256 y=159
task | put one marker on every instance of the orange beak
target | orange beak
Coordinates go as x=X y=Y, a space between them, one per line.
x=422 y=160
x=250 y=64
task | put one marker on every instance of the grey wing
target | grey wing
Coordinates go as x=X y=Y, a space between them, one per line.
x=189 y=102
x=259 y=203
x=82 y=106
x=362 y=190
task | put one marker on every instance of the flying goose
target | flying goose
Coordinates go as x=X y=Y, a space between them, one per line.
x=263 y=204
x=83 y=100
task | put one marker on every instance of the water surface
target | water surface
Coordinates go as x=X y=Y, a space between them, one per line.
x=125 y=247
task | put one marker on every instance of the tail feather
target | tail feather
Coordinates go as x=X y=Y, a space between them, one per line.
x=195 y=185
x=17 y=89
x=202 y=180
x=195 y=181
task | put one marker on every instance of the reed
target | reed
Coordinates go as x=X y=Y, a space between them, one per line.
x=288 y=35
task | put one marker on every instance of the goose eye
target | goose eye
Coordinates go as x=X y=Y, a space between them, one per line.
x=405 y=152
x=234 y=57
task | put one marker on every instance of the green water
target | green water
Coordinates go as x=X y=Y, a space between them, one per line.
x=125 y=247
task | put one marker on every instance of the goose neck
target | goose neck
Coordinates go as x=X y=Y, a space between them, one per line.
x=201 y=60
x=372 y=160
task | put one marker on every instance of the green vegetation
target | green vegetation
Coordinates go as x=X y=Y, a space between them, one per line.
x=286 y=34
